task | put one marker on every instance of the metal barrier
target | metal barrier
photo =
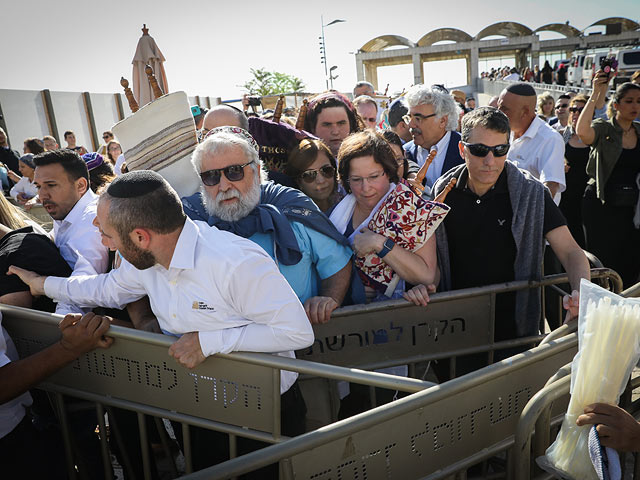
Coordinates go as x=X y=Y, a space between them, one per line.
x=430 y=434
x=396 y=332
x=238 y=394
x=536 y=414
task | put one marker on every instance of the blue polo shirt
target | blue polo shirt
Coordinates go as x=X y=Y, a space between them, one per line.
x=322 y=257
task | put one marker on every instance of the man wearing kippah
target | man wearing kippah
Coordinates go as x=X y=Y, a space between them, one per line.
x=217 y=291
x=535 y=146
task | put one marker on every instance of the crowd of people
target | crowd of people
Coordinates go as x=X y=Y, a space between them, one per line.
x=265 y=250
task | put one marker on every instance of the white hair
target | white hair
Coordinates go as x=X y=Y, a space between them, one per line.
x=223 y=141
x=443 y=104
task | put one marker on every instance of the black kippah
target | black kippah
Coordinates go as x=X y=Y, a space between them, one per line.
x=522 y=89
x=134 y=184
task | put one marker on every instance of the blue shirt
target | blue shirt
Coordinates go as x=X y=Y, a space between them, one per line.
x=322 y=257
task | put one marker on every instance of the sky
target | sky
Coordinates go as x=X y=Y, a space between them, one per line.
x=210 y=46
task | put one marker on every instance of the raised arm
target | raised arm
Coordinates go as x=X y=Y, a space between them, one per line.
x=583 y=127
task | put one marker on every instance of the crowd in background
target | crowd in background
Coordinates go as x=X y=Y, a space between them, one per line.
x=527 y=170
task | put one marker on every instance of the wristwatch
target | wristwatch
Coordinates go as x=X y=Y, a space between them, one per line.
x=386 y=248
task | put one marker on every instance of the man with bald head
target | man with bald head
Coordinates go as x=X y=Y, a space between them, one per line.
x=535 y=146
x=224 y=116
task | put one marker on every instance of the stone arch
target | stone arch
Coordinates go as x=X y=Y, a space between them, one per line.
x=385 y=41
x=627 y=25
x=508 y=29
x=561 y=28
x=441 y=34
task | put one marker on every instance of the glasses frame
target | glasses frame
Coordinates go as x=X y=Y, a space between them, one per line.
x=359 y=181
x=471 y=146
x=225 y=171
x=309 y=176
x=576 y=109
x=418 y=117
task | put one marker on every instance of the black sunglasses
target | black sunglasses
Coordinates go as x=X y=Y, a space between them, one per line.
x=563 y=105
x=234 y=173
x=310 y=175
x=576 y=109
x=482 y=150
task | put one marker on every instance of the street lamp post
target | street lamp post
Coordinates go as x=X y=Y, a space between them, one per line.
x=332 y=77
x=323 y=49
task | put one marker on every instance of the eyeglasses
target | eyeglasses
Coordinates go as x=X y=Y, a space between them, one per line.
x=482 y=150
x=309 y=176
x=576 y=109
x=417 y=117
x=359 y=181
x=234 y=173
x=564 y=105
x=106 y=137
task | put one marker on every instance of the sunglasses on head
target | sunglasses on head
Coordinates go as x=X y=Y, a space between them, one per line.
x=310 y=175
x=575 y=109
x=234 y=173
x=482 y=150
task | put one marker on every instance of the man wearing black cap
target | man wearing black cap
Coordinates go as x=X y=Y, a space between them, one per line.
x=535 y=146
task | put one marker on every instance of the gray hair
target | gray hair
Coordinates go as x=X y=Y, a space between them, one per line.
x=159 y=211
x=486 y=117
x=363 y=84
x=362 y=99
x=221 y=142
x=443 y=104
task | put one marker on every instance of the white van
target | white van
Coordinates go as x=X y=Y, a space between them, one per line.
x=628 y=63
x=591 y=66
x=576 y=64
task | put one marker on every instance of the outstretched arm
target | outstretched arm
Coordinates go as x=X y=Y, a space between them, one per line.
x=79 y=335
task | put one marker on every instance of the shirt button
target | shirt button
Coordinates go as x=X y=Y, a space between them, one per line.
x=174 y=315
x=478 y=201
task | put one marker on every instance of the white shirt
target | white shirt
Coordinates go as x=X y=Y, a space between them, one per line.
x=218 y=284
x=540 y=151
x=79 y=242
x=25 y=186
x=117 y=169
x=12 y=412
x=512 y=77
x=435 y=170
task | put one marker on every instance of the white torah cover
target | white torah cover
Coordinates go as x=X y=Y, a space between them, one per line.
x=161 y=136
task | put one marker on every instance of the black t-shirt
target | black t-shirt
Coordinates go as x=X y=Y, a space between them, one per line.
x=482 y=250
x=26 y=249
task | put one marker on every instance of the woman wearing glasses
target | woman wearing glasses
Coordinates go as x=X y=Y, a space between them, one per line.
x=313 y=168
x=576 y=154
x=368 y=172
x=610 y=205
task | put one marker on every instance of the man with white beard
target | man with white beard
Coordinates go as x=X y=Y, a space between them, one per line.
x=309 y=251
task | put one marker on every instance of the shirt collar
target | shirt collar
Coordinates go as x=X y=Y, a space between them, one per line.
x=76 y=212
x=532 y=131
x=184 y=255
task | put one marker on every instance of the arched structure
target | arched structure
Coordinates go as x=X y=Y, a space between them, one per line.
x=442 y=34
x=507 y=29
x=561 y=28
x=385 y=41
x=627 y=25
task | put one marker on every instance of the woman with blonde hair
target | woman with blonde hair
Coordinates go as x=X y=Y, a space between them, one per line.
x=12 y=217
x=545 y=106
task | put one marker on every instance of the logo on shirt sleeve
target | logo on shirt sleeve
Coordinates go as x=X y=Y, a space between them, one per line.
x=201 y=306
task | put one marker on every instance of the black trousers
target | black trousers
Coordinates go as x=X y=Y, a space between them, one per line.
x=28 y=453
x=209 y=447
x=611 y=236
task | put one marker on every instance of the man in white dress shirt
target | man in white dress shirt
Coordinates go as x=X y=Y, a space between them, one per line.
x=432 y=120
x=535 y=146
x=219 y=292
x=62 y=179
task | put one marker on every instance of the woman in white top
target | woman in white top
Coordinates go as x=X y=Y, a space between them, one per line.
x=24 y=189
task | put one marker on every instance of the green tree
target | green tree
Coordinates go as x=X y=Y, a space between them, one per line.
x=264 y=82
